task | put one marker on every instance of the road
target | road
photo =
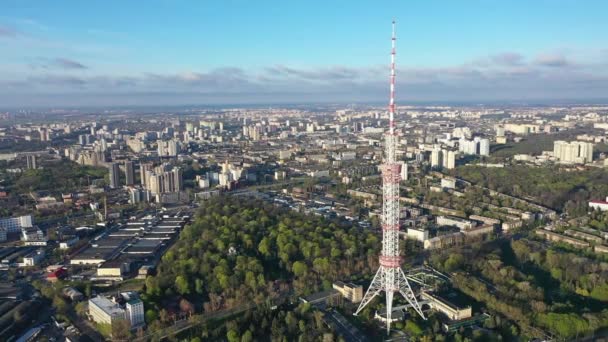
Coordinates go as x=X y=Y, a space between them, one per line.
x=349 y=332
x=85 y=327
x=196 y=320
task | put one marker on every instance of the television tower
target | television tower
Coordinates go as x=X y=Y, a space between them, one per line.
x=390 y=277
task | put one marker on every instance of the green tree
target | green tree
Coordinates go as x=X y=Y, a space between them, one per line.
x=233 y=336
x=247 y=336
x=121 y=330
x=151 y=316
x=182 y=285
x=299 y=269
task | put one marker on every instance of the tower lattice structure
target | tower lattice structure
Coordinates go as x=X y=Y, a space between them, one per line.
x=390 y=278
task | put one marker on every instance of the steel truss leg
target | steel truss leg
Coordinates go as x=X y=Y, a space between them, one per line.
x=374 y=289
x=408 y=294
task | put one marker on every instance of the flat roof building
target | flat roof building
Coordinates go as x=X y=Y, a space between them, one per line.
x=350 y=291
x=103 y=310
x=454 y=311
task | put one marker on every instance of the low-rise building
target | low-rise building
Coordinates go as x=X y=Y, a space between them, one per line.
x=72 y=293
x=102 y=310
x=33 y=258
x=33 y=237
x=599 y=205
x=506 y=226
x=350 y=291
x=584 y=236
x=444 y=241
x=112 y=269
x=418 y=234
x=66 y=244
x=551 y=236
x=450 y=309
x=600 y=249
x=461 y=223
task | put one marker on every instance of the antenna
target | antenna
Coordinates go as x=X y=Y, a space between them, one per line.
x=390 y=277
x=391 y=105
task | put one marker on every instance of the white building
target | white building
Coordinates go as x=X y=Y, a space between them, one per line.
x=449 y=159
x=15 y=224
x=478 y=146
x=467 y=146
x=284 y=154
x=484 y=147
x=500 y=131
x=33 y=258
x=169 y=148
x=436 y=157
x=203 y=183
x=135 y=312
x=33 y=237
x=404 y=169
x=225 y=179
x=103 y=310
x=573 y=152
x=455 y=222
x=599 y=205
x=448 y=183
x=418 y=234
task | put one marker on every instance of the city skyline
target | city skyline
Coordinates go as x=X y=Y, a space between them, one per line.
x=173 y=53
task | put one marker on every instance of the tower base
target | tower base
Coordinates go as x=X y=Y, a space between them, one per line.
x=390 y=280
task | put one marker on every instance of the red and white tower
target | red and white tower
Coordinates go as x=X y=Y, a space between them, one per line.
x=390 y=277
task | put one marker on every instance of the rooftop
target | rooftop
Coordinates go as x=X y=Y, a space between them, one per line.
x=107 y=306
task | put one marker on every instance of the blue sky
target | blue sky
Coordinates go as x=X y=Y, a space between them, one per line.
x=222 y=52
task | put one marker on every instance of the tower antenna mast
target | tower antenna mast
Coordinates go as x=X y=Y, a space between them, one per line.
x=390 y=277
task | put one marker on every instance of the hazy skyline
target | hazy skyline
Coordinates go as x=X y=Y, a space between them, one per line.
x=234 y=52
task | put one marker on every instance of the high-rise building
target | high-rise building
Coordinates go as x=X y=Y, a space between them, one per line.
x=436 y=157
x=104 y=144
x=16 y=224
x=135 y=312
x=129 y=173
x=484 y=147
x=500 y=131
x=168 y=148
x=404 y=169
x=143 y=169
x=161 y=181
x=467 y=146
x=32 y=163
x=155 y=183
x=137 y=195
x=479 y=146
x=573 y=152
x=178 y=183
x=44 y=134
x=114 y=175
x=449 y=159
